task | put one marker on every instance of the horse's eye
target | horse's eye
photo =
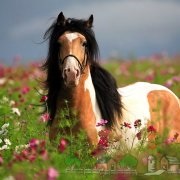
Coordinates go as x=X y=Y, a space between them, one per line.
x=84 y=44
x=59 y=43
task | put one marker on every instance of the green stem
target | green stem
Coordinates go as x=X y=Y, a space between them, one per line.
x=143 y=140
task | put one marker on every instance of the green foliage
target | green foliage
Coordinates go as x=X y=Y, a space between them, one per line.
x=128 y=161
x=21 y=90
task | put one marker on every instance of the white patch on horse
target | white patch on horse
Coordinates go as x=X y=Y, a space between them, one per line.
x=136 y=106
x=90 y=87
x=71 y=36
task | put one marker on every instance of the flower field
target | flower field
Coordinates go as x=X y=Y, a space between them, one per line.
x=25 y=150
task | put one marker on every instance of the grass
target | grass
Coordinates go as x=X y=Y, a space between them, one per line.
x=20 y=97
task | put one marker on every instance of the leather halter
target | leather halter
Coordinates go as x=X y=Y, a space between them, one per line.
x=82 y=66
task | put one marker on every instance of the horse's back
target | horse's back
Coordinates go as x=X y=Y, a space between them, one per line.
x=153 y=104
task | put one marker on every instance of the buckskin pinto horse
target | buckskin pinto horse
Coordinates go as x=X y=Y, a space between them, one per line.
x=75 y=76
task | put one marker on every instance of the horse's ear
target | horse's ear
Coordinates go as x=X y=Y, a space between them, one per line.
x=89 y=22
x=61 y=19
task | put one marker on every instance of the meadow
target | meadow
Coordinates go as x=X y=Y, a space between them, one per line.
x=25 y=150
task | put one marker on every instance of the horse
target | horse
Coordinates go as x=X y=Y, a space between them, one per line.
x=74 y=75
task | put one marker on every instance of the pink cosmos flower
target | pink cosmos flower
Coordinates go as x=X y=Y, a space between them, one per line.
x=62 y=145
x=122 y=176
x=104 y=133
x=25 y=153
x=138 y=135
x=101 y=123
x=1 y=160
x=149 y=77
x=43 y=99
x=124 y=68
x=137 y=123
x=176 y=79
x=34 y=143
x=32 y=157
x=169 y=141
x=35 y=149
x=103 y=142
x=25 y=90
x=44 y=154
x=127 y=125
x=151 y=129
x=52 y=173
x=45 y=117
x=169 y=83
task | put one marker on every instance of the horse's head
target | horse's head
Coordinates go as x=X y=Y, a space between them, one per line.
x=73 y=49
x=72 y=56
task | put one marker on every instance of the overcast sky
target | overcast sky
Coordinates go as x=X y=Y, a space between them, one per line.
x=122 y=27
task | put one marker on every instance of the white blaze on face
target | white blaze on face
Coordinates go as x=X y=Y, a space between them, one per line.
x=71 y=67
x=71 y=36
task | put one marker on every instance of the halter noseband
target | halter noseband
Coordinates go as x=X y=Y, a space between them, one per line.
x=82 y=66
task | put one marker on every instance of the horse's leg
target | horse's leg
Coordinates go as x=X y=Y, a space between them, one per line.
x=86 y=115
x=91 y=132
x=53 y=130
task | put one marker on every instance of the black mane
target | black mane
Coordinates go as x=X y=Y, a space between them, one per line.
x=109 y=100
x=105 y=85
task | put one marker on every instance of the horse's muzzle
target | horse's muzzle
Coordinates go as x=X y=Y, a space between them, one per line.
x=71 y=77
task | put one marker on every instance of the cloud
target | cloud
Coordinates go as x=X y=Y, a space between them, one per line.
x=28 y=28
x=119 y=17
x=120 y=26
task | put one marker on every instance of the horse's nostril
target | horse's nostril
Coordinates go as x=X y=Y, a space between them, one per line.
x=71 y=74
x=65 y=76
x=77 y=74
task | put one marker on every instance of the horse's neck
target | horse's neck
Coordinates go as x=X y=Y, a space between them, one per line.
x=78 y=94
x=82 y=100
